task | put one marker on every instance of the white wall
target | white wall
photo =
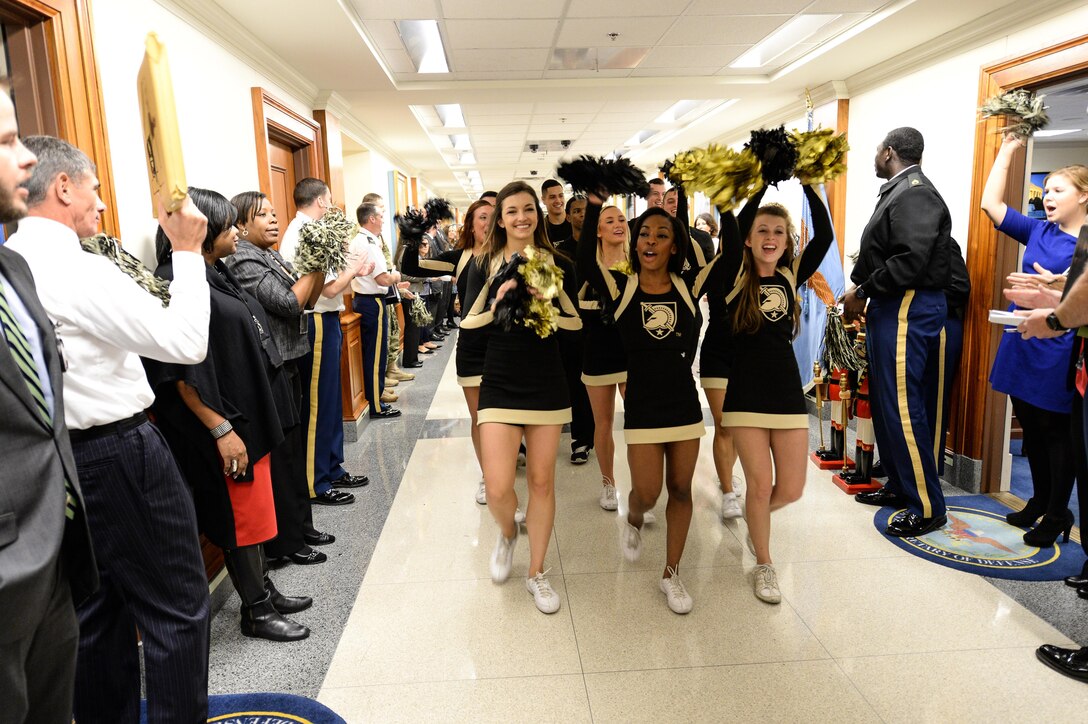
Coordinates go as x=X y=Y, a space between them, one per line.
x=215 y=113
x=368 y=172
x=1045 y=157
x=940 y=101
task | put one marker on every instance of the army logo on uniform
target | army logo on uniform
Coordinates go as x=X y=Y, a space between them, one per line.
x=773 y=302
x=659 y=318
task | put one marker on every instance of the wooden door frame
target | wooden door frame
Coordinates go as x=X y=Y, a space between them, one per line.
x=76 y=92
x=977 y=420
x=272 y=118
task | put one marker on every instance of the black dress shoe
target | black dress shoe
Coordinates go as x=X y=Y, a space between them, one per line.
x=1083 y=591
x=308 y=558
x=286 y=604
x=317 y=538
x=878 y=470
x=386 y=412
x=414 y=365
x=263 y=621
x=881 y=497
x=912 y=525
x=351 y=481
x=1071 y=662
x=332 y=496
x=1079 y=580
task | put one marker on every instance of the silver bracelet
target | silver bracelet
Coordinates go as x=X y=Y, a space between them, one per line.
x=221 y=429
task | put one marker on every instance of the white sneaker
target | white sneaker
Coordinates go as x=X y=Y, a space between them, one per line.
x=677 y=596
x=608 y=499
x=630 y=541
x=648 y=518
x=519 y=516
x=521 y=456
x=502 y=558
x=731 y=506
x=544 y=596
x=766 y=584
x=481 y=494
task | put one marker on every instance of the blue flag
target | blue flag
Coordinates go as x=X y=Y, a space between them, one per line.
x=828 y=282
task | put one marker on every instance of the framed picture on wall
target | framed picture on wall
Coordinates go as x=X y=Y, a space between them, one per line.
x=1034 y=207
x=401 y=199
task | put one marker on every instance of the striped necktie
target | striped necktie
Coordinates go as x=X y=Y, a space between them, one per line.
x=24 y=360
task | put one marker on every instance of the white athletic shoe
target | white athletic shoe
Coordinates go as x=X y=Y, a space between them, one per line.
x=731 y=506
x=766 y=584
x=608 y=499
x=544 y=596
x=521 y=456
x=648 y=518
x=519 y=517
x=630 y=541
x=502 y=558
x=481 y=494
x=678 y=598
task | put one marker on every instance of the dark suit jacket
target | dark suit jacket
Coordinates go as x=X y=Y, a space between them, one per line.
x=33 y=529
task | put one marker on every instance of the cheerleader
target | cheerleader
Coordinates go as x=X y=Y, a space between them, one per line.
x=769 y=422
x=523 y=391
x=604 y=362
x=655 y=315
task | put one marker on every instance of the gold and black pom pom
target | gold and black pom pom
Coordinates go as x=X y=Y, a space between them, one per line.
x=438 y=209
x=775 y=152
x=535 y=270
x=725 y=176
x=1023 y=110
x=590 y=174
x=821 y=155
x=322 y=244
x=105 y=245
x=412 y=225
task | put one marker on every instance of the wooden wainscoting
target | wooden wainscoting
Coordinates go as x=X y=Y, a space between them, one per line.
x=352 y=390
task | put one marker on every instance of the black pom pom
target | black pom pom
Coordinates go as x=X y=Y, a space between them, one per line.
x=438 y=209
x=666 y=168
x=412 y=225
x=511 y=309
x=775 y=152
x=588 y=174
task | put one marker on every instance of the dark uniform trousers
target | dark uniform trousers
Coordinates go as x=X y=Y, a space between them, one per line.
x=152 y=581
x=374 y=325
x=582 y=426
x=907 y=352
x=291 y=494
x=322 y=406
x=953 y=349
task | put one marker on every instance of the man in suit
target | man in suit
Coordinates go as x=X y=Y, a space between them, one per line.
x=903 y=273
x=45 y=557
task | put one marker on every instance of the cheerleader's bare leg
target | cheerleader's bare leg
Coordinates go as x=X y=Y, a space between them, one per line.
x=541 y=445
x=472 y=400
x=789 y=448
x=754 y=449
x=499 y=444
x=602 y=399
x=680 y=458
x=647 y=463
x=725 y=454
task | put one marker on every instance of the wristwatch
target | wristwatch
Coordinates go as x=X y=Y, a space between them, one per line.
x=859 y=292
x=1054 y=323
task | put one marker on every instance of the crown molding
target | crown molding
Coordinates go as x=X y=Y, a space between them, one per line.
x=351 y=126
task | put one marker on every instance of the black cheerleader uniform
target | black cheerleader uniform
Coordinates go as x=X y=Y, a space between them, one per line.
x=604 y=361
x=660 y=333
x=471 y=343
x=765 y=384
x=524 y=382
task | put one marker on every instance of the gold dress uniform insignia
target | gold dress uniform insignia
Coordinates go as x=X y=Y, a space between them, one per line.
x=659 y=318
x=773 y=302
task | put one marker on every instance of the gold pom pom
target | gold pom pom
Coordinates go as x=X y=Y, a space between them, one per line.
x=322 y=243
x=546 y=279
x=727 y=177
x=821 y=155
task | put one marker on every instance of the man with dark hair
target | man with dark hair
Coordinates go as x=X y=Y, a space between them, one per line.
x=322 y=412
x=45 y=556
x=369 y=302
x=135 y=500
x=490 y=197
x=903 y=273
x=551 y=195
x=671 y=203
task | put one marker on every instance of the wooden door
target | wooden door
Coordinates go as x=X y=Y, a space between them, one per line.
x=281 y=162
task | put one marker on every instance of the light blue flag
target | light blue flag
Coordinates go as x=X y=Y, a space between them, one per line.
x=808 y=346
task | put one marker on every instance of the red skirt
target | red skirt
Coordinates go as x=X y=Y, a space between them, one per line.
x=253 y=506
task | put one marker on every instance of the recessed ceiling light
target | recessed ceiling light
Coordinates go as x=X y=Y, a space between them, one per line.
x=460 y=142
x=1056 y=132
x=450 y=114
x=677 y=111
x=797 y=30
x=468 y=159
x=640 y=137
x=424 y=45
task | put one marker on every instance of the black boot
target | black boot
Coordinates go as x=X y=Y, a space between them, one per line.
x=1048 y=530
x=259 y=617
x=283 y=604
x=1028 y=514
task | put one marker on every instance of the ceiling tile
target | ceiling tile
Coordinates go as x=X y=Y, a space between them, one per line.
x=399 y=10
x=383 y=33
x=587 y=73
x=484 y=138
x=723 y=29
x=554 y=118
x=568 y=106
x=594 y=32
x=398 y=61
x=674 y=72
x=652 y=107
x=624 y=8
x=482 y=9
x=495 y=75
x=467 y=60
x=708 y=56
x=483 y=120
x=846 y=6
x=557 y=130
x=764 y=7
x=478 y=109
x=500 y=33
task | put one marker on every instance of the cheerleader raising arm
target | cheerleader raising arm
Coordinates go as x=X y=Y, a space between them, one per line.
x=823 y=235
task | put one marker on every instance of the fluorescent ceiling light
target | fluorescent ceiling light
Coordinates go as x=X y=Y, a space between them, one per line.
x=640 y=137
x=451 y=115
x=468 y=159
x=797 y=30
x=596 y=58
x=677 y=111
x=424 y=45
x=1056 y=132
x=460 y=142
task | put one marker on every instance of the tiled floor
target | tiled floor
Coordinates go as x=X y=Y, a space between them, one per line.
x=865 y=631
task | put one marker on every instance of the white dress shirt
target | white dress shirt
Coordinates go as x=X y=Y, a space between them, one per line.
x=369 y=244
x=288 y=247
x=106 y=321
x=29 y=329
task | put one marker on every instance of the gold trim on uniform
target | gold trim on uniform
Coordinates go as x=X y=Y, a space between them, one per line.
x=523 y=417
x=714 y=383
x=615 y=378
x=938 y=444
x=765 y=420
x=474 y=381
x=436 y=265
x=640 y=436
x=904 y=406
